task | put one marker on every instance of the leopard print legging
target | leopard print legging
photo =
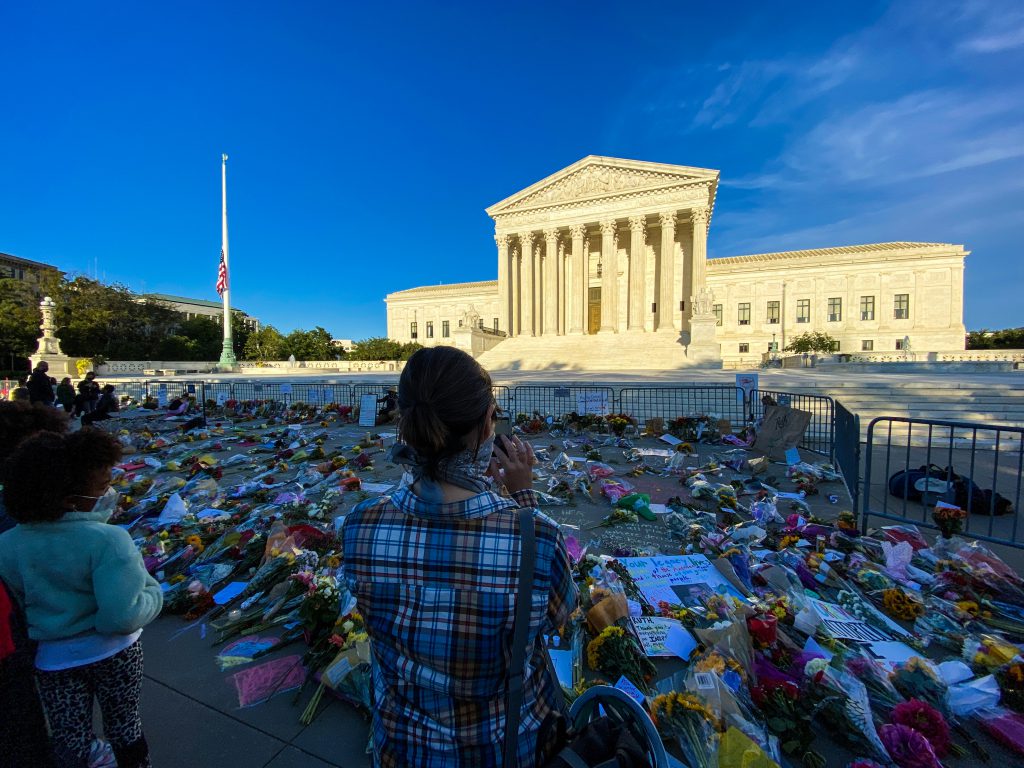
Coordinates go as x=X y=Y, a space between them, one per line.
x=67 y=697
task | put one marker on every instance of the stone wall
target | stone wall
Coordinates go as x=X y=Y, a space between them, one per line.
x=167 y=367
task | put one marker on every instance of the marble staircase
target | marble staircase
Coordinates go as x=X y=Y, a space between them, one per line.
x=627 y=351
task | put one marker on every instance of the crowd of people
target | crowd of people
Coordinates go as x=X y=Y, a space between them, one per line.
x=88 y=402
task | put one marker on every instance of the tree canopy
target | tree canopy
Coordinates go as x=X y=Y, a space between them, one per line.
x=381 y=348
x=1008 y=338
x=812 y=341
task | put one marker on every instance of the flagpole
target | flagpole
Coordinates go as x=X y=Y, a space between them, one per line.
x=227 y=355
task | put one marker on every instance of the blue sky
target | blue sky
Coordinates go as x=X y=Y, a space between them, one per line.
x=366 y=139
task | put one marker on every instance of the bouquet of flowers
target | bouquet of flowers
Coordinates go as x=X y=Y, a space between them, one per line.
x=783 y=705
x=1011 y=685
x=685 y=718
x=949 y=519
x=614 y=653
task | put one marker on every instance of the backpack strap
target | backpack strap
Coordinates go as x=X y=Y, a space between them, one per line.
x=521 y=630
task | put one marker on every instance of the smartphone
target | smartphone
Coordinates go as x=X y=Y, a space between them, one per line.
x=503 y=426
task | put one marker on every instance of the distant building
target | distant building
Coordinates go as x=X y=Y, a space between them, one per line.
x=193 y=308
x=343 y=344
x=17 y=268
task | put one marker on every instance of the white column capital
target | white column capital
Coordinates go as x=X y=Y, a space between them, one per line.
x=577 y=231
x=609 y=227
x=551 y=239
x=637 y=223
x=502 y=240
x=526 y=238
x=699 y=215
x=667 y=218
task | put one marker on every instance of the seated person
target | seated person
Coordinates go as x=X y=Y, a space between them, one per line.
x=389 y=406
x=179 y=406
x=106 y=405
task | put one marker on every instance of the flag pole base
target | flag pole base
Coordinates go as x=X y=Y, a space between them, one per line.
x=228 y=361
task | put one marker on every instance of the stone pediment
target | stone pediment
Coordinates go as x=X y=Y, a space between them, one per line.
x=596 y=177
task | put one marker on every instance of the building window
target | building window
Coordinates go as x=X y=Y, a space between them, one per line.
x=717 y=309
x=867 y=307
x=414 y=330
x=899 y=344
x=803 y=310
x=835 y=310
x=495 y=324
x=430 y=329
x=654 y=307
x=773 y=312
x=867 y=345
x=446 y=329
x=480 y=323
x=901 y=306
x=744 y=348
x=744 y=313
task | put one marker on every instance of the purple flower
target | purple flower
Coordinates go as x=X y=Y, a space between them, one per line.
x=907 y=747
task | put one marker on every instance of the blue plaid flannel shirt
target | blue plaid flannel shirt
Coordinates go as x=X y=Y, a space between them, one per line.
x=436 y=585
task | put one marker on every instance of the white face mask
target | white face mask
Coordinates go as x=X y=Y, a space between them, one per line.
x=106 y=503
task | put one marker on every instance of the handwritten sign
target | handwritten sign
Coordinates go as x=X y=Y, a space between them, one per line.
x=746 y=383
x=367 y=410
x=161 y=396
x=678 y=579
x=595 y=403
x=653 y=632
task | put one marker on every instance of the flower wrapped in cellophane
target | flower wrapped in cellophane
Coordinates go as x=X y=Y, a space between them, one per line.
x=686 y=719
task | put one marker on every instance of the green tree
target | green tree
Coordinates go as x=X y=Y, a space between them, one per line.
x=813 y=341
x=376 y=348
x=1008 y=338
x=311 y=345
x=205 y=338
x=408 y=349
x=19 y=321
x=265 y=344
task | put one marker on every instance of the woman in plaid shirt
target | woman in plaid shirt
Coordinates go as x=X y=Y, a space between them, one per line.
x=434 y=568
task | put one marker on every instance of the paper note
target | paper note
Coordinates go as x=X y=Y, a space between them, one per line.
x=228 y=593
x=367 y=410
x=680 y=642
x=652 y=631
x=562 y=662
x=670 y=439
x=376 y=487
x=659 y=509
x=792 y=456
x=630 y=690
x=844 y=626
x=592 y=403
x=892 y=651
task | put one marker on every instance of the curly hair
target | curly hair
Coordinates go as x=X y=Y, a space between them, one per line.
x=19 y=420
x=48 y=467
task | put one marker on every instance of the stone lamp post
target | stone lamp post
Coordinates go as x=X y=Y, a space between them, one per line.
x=48 y=345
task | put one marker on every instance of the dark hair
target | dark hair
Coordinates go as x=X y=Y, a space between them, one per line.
x=48 y=467
x=108 y=388
x=19 y=420
x=443 y=396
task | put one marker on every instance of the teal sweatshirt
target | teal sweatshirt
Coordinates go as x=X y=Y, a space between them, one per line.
x=76 y=575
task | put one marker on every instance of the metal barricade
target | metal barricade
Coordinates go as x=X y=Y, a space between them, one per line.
x=643 y=403
x=846 y=450
x=558 y=401
x=820 y=434
x=503 y=397
x=910 y=464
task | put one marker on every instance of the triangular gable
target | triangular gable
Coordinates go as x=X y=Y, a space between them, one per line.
x=595 y=177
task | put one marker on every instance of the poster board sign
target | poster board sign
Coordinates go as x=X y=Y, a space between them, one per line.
x=678 y=579
x=839 y=623
x=221 y=399
x=746 y=383
x=595 y=403
x=367 y=410
x=286 y=389
x=782 y=429
x=653 y=632
x=161 y=396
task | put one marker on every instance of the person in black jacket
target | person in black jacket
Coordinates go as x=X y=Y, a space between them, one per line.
x=39 y=388
x=106 y=405
x=88 y=394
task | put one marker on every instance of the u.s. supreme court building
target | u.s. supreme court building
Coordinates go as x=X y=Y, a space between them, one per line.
x=603 y=265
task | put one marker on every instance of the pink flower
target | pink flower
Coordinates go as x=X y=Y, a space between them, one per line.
x=907 y=747
x=926 y=720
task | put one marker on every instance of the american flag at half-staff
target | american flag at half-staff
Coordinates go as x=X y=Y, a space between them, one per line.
x=222 y=275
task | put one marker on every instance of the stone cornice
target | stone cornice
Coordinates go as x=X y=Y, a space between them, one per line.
x=846 y=253
x=441 y=291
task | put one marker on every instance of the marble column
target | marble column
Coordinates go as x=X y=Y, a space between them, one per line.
x=560 y=273
x=516 y=263
x=609 y=277
x=526 y=296
x=580 y=279
x=504 y=284
x=666 y=272
x=699 y=219
x=637 y=252
x=538 y=295
x=550 y=282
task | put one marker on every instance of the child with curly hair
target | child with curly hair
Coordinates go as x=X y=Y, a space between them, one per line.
x=85 y=591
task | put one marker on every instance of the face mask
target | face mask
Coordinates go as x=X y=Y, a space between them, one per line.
x=483 y=454
x=105 y=504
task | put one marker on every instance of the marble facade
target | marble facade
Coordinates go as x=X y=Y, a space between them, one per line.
x=617 y=249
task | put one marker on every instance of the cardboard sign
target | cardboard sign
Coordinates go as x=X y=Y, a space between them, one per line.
x=595 y=403
x=782 y=429
x=367 y=410
x=161 y=396
x=221 y=399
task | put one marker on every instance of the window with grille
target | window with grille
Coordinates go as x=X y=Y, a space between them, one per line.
x=743 y=315
x=835 y=310
x=445 y=329
x=414 y=330
x=901 y=306
x=773 y=312
x=717 y=309
x=430 y=330
x=867 y=307
x=803 y=310
x=744 y=347
x=867 y=345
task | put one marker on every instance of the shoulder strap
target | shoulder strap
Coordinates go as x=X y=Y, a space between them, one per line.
x=514 y=698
